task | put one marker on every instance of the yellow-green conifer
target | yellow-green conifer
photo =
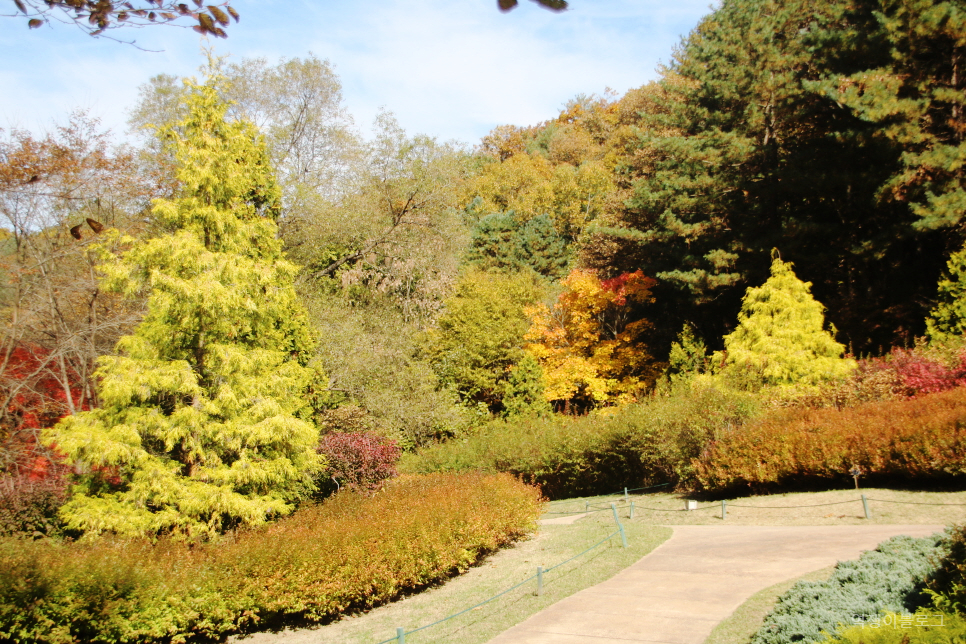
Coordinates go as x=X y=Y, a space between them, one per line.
x=202 y=424
x=948 y=319
x=780 y=338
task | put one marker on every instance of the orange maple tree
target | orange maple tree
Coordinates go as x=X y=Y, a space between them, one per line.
x=590 y=343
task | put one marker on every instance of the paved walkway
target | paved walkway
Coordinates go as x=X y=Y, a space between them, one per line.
x=679 y=592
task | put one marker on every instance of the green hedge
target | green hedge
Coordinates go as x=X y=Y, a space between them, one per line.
x=351 y=552
x=652 y=442
x=886 y=579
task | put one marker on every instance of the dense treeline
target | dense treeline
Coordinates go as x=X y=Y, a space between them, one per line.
x=827 y=131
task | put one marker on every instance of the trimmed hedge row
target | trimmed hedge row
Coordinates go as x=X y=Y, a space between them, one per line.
x=349 y=553
x=652 y=442
x=885 y=579
x=919 y=439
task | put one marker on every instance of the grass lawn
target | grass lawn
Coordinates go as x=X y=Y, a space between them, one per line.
x=897 y=507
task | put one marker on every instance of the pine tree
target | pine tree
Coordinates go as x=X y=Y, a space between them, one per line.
x=501 y=243
x=915 y=97
x=755 y=138
x=524 y=395
x=543 y=248
x=494 y=245
x=948 y=319
x=688 y=355
x=780 y=339
x=203 y=419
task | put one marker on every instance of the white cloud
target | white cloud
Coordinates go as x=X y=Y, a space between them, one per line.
x=452 y=68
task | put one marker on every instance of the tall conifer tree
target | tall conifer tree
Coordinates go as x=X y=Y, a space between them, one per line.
x=948 y=320
x=780 y=339
x=203 y=419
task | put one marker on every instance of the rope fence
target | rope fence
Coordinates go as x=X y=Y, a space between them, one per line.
x=588 y=505
x=724 y=505
x=401 y=633
x=919 y=503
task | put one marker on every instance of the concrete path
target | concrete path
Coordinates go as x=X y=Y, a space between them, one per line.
x=679 y=592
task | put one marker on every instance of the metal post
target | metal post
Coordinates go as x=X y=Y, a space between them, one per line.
x=625 y=495
x=632 y=511
x=865 y=506
x=401 y=635
x=586 y=506
x=539 y=581
x=620 y=528
x=724 y=509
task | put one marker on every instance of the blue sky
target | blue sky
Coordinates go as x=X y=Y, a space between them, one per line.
x=449 y=68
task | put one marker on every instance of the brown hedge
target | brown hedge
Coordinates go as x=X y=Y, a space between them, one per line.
x=919 y=440
x=351 y=552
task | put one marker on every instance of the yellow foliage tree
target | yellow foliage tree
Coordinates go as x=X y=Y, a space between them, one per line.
x=522 y=183
x=589 y=344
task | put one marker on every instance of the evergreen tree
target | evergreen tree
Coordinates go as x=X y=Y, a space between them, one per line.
x=948 y=319
x=688 y=355
x=524 y=394
x=203 y=424
x=494 y=245
x=780 y=339
x=501 y=243
x=915 y=97
x=543 y=248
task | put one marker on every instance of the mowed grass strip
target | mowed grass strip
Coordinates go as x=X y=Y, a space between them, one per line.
x=551 y=545
x=833 y=507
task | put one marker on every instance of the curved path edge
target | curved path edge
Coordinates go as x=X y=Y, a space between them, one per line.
x=680 y=591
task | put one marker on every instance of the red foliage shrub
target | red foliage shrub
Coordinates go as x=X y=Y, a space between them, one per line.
x=32 y=479
x=919 y=370
x=34 y=398
x=916 y=439
x=37 y=398
x=358 y=460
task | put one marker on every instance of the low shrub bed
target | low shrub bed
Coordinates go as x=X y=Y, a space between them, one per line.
x=887 y=579
x=642 y=444
x=349 y=553
x=940 y=622
x=924 y=627
x=921 y=439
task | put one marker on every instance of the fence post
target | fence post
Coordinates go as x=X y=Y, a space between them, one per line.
x=865 y=506
x=632 y=511
x=586 y=506
x=400 y=635
x=539 y=581
x=625 y=495
x=620 y=528
x=724 y=509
